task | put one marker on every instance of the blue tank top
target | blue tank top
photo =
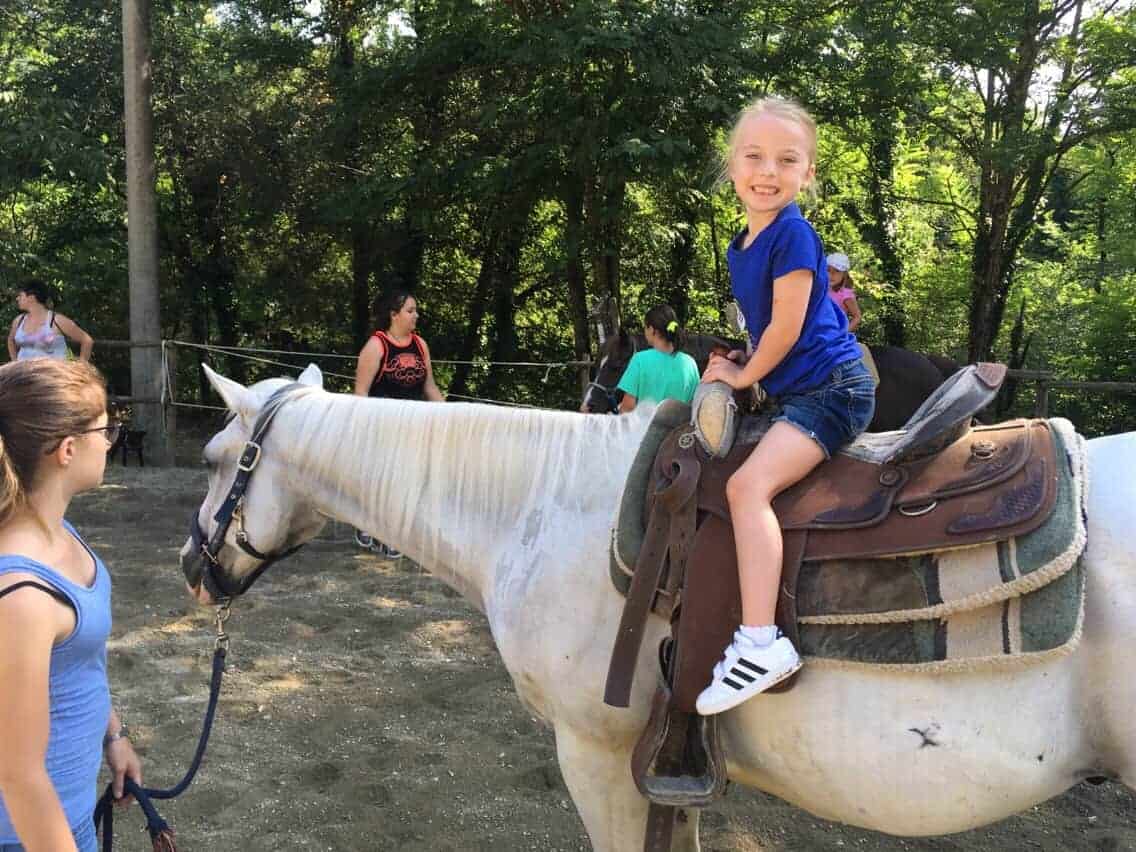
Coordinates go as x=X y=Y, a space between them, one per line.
x=78 y=691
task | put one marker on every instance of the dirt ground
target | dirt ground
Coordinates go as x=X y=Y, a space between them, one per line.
x=366 y=709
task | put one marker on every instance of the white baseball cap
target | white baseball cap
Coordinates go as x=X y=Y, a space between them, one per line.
x=840 y=261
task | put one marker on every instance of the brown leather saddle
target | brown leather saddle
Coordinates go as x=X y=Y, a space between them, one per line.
x=948 y=486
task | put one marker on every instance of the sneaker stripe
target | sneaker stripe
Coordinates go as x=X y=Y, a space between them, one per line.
x=752 y=666
x=733 y=683
x=748 y=678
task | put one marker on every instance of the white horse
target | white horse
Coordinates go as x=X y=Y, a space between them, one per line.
x=512 y=508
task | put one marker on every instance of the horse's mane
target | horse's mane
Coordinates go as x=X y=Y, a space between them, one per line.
x=476 y=466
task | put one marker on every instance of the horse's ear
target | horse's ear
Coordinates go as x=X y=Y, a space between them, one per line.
x=235 y=395
x=311 y=376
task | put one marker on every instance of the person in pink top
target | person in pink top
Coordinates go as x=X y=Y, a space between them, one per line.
x=840 y=288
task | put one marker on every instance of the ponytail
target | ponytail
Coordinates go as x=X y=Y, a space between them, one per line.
x=662 y=318
x=13 y=497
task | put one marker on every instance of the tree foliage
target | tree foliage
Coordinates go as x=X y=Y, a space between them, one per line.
x=514 y=161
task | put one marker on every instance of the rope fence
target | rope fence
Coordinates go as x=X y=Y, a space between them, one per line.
x=1042 y=381
x=256 y=355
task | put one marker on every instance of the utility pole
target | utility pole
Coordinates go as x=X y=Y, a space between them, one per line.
x=142 y=232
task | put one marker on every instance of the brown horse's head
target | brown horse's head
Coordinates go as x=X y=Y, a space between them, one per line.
x=602 y=396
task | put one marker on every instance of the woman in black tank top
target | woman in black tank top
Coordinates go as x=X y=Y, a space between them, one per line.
x=395 y=362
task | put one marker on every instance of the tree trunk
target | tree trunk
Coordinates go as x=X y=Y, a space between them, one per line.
x=142 y=216
x=996 y=242
x=880 y=232
x=576 y=279
x=460 y=383
x=504 y=308
x=361 y=255
x=605 y=226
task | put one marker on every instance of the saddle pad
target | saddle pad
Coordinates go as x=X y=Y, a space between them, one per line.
x=1019 y=600
x=629 y=523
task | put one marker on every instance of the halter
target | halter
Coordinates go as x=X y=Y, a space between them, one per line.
x=609 y=392
x=213 y=576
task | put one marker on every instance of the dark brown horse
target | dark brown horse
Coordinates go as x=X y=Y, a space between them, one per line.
x=906 y=378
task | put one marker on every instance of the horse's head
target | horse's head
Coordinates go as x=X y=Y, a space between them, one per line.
x=252 y=514
x=602 y=396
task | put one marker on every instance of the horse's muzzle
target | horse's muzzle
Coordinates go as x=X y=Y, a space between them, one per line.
x=190 y=559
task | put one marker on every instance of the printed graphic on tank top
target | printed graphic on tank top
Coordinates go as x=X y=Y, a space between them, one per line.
x=402 y=374
x=47 y=341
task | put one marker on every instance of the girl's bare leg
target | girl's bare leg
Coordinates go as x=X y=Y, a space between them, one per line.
x=783 y=458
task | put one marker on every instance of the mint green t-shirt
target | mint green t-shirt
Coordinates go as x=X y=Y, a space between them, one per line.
x=654 y=376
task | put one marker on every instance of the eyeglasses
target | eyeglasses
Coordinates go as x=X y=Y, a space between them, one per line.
x=110 y=431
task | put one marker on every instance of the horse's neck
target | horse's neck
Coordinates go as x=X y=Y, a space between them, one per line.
x=453 y=485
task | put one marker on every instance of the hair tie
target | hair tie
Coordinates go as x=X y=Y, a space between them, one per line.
x=672 y=326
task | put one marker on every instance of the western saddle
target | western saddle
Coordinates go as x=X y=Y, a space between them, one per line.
x=938 y=484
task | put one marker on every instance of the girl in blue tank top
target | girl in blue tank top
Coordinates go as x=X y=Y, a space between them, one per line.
x=803 y=356
x=56 y=718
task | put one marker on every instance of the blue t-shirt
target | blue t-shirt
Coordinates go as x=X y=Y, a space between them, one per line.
x=787 y=244
x=78 y=694
x=654 y=376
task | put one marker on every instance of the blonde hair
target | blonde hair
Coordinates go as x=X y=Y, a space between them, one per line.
x=42 y=401
x=783 y=108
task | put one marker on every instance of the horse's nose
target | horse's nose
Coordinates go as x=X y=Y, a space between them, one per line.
x=190 y=561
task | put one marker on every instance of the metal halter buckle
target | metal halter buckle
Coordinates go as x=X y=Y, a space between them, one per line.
x=247 y=462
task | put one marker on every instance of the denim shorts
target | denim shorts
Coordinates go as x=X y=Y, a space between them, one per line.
x=835 y=412
x=85 y=839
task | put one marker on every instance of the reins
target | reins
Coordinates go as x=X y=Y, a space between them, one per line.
x=161 y=835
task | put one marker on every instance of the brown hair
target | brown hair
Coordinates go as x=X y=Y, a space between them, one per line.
x=388 y=303
x=42 y=401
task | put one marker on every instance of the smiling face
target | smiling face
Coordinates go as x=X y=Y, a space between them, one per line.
x=772 y=162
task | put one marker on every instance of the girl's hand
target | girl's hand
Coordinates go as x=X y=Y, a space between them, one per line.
x=723 y=370
x=123 y=763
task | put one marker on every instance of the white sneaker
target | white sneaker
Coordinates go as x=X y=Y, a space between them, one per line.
x=363 y=540
x=745 y=670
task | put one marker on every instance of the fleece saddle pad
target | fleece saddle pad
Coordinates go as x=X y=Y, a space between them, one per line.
x=1018 y=600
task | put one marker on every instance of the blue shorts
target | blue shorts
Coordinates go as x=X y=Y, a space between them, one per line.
x=835 y=412
x=85 y=839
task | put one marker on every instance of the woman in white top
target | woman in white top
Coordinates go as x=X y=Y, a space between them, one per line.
x=39 y=332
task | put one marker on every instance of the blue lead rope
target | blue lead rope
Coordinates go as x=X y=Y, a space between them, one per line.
x=161 y=834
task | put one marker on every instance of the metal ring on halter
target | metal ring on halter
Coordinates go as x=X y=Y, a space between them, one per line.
x=921 y=510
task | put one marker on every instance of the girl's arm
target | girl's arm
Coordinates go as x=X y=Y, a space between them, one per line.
x=430 y=389
x=367 y=367
x=852 y=308
x=628 y=403
x=29 y=625
x=790 y=302
x=71 y=331
x=13 y=349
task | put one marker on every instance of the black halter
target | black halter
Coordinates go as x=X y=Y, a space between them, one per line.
x=213 y=575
